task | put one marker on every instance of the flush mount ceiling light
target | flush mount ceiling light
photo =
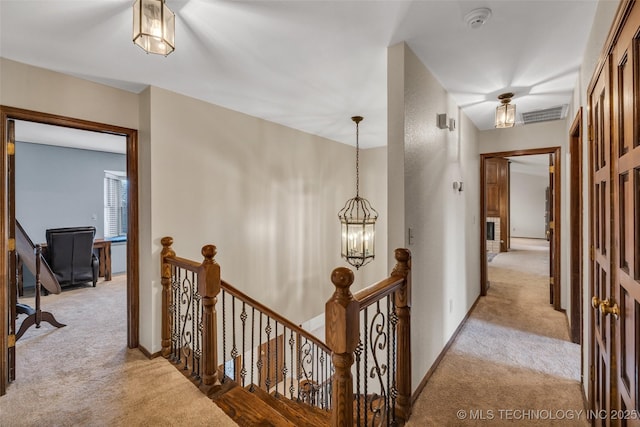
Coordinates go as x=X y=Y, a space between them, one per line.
x=154 y=26
x=358 y=221
x=477 y=17
x=505 y=112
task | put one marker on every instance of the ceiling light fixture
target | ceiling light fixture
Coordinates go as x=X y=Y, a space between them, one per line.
x=154 y=26
x=358 y=221
x=505 y=112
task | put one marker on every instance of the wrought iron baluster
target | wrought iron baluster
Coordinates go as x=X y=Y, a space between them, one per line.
x=253 y=347
x=389 y=361
x=234 y=348
x=267 y=381
x=366 y=367
x=394 y=360
x=293 y=374
x=259 y=364
x=198 y=324
x=358 y=354
x=224 y=336
x=277 y=371
x=243 y=317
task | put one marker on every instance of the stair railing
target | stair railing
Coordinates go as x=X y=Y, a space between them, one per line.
x=264 y=349
x=372 y=329
x=206 y=320
x=189 y=291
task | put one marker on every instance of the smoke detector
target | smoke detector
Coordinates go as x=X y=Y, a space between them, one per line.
x=477 y=17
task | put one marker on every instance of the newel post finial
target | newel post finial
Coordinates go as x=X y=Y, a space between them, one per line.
x=342 y=331
x=165 y=280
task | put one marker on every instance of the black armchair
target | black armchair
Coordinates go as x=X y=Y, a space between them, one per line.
x=70 y=255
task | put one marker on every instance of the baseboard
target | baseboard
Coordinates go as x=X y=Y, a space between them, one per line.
x=433 y=367
x=147 y=353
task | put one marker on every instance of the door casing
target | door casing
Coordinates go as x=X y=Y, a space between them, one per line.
x=555 y=151
x=133 y=291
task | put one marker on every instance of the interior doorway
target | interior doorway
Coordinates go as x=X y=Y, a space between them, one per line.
x=553 y=223
x=7 y=268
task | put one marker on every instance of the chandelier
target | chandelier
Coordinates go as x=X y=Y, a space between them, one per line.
x=505 y=112
x=154 y=26
x=358 y=220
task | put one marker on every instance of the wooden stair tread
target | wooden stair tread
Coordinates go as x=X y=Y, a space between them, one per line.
x=301 y=414
x=247 y=409
x=320 y=414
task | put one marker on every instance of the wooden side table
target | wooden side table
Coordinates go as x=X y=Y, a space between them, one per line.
x=104 y=256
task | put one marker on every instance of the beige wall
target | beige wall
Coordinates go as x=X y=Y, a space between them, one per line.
x=423 y=163
x=266 y=195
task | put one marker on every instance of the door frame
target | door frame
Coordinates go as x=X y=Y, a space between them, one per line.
x=575 y=228
x=133 y=279
x=555 y=151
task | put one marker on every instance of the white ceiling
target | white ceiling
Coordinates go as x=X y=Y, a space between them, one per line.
x=311 y=65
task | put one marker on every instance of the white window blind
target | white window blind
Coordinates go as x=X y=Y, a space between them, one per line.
x=115 y=204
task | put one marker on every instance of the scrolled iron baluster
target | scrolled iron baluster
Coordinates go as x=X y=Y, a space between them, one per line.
x=379 y=370
x=366 y=369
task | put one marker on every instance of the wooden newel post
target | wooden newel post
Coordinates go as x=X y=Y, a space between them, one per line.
x=209 y=288
x=403 y=309
x=342 y=333
x=165 y=274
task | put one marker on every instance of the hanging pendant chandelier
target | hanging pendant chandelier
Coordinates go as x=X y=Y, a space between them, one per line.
x=154 y=26
x=505 y=112
x=358 y=221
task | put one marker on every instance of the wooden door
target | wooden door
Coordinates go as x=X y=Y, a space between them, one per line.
x=600 y=146
x=272 y=357
x=497 y=196
x=623 y=309
x=12 y=264
x=551 y=220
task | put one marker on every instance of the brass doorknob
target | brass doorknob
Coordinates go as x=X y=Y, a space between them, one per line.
x=607 y=308
x=595 y=302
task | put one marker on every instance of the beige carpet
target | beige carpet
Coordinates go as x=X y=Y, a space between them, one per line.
x=84 y=375
x=512 y=362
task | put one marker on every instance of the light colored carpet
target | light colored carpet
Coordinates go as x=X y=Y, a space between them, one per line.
x=84 y=375
x=513 y=362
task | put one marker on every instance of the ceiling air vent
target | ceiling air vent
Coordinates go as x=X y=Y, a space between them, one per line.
x=554 y=113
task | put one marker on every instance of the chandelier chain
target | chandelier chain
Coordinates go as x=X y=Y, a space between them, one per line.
x=357 y=161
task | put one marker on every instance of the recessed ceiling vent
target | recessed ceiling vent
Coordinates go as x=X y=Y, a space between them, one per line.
x=554 y=113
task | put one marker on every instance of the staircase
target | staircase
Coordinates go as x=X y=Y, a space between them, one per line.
x=253 y=406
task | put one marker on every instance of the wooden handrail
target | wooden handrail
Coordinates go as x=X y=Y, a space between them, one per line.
x=184 y=263
x=377 y=291
x=266 y=310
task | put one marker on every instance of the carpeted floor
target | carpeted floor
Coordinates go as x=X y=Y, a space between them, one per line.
x=512 y=362
x=84 y=375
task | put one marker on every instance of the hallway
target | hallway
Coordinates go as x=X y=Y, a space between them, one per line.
x=512 y=362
